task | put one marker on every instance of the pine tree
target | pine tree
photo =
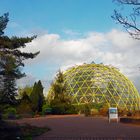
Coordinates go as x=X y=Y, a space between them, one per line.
x=41 y=96
x=34 y=97
x=61 y=104
x=11 y=61
x=59 y=88
x=9 y=82
x=3 y=23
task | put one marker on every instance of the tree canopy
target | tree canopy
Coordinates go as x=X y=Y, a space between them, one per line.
x=11 y=61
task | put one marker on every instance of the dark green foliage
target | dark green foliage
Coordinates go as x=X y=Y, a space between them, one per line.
x=71 y=109
x=97 y=105
x=8 y=91
x=87 y=109
x=25 y=97
x=37 y=97
x=46 y=109
x=10 y=113
x=83 y=109
x=3 y=22
x=61 y=104
x=11 y=62
x=25 y=105
x=58 y=86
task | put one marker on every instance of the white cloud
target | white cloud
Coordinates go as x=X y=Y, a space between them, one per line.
x=115 y=48
x=71 y=32
x=121 y=40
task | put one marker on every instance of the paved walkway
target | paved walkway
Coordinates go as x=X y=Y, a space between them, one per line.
x=74 y=125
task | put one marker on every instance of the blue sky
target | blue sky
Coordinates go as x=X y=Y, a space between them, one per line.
x=58 y=15
x=71 y=32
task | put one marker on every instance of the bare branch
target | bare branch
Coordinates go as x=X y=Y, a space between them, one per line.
x=129 y=2
x=130 y=22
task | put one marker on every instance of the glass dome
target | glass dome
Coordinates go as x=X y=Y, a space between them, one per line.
x=97 y=83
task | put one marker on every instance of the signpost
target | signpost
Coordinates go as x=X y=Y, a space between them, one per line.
x=113 y=114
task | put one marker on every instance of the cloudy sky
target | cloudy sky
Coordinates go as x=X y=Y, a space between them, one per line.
x=71 y=32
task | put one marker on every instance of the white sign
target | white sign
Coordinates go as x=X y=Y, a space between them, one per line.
x=113 y=113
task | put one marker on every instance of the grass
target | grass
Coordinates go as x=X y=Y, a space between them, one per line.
x=12 y=131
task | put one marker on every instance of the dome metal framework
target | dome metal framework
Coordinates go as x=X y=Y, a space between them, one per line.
x=97 y=83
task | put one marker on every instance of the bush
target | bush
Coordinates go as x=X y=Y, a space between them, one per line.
x=71 y=110
x=77 y=109
x=122 y=112
x=10 y=113
x=94 y=112
x=24 y=108
x=97 y=106
x=136 y=113
x=46 y=109
x=129 y=114
x=104 y=111
x=3 y=107
x=58 y=108
x=61 y=109
x=80 y=109
x=87 y=110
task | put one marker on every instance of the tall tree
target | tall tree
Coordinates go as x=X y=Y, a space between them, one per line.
x=58 y=86
x=9 y=83
x=41 y=96
x=130 y=21
x=61 y=103
x=37 y=97
x=3 y=23
x=11 y=61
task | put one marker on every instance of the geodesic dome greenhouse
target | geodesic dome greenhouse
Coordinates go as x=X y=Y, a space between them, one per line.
x=97 y=83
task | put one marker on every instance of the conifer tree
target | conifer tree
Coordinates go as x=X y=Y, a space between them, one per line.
x=37 y=97
x=61 y=104
x=59 y=87
x=11 y=61
x=41 y=96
